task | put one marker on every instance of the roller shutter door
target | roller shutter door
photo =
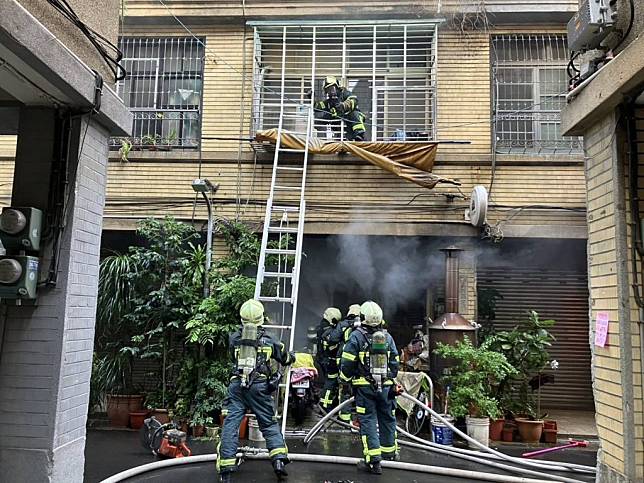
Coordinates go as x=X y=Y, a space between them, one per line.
x=558 y=295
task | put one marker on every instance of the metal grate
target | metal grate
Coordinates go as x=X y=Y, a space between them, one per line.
x=530 y=86
x=163 y=90
x=389 y=67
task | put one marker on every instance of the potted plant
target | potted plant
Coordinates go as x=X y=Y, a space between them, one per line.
x=476 y=373
x=526 y=349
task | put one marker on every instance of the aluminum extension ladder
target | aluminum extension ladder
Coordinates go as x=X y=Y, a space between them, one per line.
x=280 y=257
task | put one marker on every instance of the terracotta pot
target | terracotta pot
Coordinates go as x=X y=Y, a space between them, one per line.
x=184 y=427
x=161 y=415
x=549 y=424
x=137 y=418
x=119 y=407
x=550 y=436
x=530 y=431
x=508 y=434
x=496 y=429
x=198 y=431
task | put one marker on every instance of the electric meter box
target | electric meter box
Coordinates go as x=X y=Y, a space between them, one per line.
x=20 y=228
x=591 y=24
x=18 y=277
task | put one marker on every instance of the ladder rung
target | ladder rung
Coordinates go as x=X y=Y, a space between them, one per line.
x=278 y=275
x=285 y=327
x=279 y=251
x=287 y=188
x=290 y=168
x=292 y=150
x=282 y=229
x=285 y=208
x=275 y=299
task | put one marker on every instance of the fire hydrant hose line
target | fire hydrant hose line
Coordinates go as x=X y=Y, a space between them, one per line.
x=491 y=453
x=313 y=458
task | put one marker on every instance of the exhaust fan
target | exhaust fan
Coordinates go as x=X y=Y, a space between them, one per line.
x=478 y=206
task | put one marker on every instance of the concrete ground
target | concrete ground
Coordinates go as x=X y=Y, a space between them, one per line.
x=574 y=424
x=111 y=451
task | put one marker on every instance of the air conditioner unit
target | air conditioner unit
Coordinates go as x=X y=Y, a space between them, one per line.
x=591 y=24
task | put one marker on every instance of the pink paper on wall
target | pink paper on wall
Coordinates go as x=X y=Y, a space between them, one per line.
x=601 y=329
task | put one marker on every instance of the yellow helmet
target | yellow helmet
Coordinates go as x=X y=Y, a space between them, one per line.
x=332 y=313
x=371 y=313
x=252 y=312
x=354 y=310
x=331 y=80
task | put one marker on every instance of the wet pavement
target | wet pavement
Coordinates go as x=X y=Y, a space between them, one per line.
x=112 y=451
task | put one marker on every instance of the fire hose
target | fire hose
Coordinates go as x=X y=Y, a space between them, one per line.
x=312 y=458
x=544 y=465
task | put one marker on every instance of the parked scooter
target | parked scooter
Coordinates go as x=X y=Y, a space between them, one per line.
x=303 y=373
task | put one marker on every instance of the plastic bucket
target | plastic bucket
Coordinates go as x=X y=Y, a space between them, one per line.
x=254 y=434
x=441 y=433
x=478 y=429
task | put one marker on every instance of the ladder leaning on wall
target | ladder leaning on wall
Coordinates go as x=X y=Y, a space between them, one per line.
x=280 y=257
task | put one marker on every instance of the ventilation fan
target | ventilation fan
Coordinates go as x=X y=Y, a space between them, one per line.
x=478 y=206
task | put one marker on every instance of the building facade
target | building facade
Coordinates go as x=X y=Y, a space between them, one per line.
x=608 y=110
x=206 y=76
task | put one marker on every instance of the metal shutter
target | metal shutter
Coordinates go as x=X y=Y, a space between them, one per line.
x=558 y=295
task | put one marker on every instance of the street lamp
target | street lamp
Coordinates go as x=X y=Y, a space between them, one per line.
x=205 y=187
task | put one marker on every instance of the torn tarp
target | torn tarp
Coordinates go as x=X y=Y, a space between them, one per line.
x=411 y=161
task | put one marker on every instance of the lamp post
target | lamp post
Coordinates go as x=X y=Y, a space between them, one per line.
x=205 y=187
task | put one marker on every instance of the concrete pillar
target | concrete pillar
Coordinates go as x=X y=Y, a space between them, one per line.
x=46 y=351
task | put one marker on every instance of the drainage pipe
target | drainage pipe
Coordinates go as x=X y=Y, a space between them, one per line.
x=396 y=465
x=520 y=461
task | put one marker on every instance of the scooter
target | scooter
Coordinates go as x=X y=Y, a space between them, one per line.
x=303 y=374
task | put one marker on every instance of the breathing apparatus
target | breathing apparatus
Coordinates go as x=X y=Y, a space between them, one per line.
x=371 y=316
x=252 y=316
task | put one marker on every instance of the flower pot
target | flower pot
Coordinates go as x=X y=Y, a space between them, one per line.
x=479 y=430
x=119 y=407
x=530 y=431
x=198 y=431
x=184 y=427
x=212 y=431
x=508 y=434
x=161 y=415
x=549 y=424
x=550 y=436
x=496 y=429
x=137 y=418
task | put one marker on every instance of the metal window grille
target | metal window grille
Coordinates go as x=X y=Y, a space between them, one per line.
x=163 y=90
x=530 y=86
x=389 y=67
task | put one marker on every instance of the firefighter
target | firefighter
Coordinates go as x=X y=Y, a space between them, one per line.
x=370 y=361
x=251 y=387
x=345 y=328
x=327 y=356
x=340 y=103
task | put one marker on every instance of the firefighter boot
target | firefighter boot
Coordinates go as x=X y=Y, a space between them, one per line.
x=373 y=467
x=279 y=466
x=226 y=477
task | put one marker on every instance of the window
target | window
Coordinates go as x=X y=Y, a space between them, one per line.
x=163 y=90
x=389 y=67
x=530 y=86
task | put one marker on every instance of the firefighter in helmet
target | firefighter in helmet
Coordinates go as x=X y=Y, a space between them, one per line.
x=370 y=362
x=251 y=387
x=344 y=331
x=327 y=356
x=340 y=103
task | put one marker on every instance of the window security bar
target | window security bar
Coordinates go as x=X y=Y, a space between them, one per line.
x=391 y=68
x=530 y=85
x=163 y=91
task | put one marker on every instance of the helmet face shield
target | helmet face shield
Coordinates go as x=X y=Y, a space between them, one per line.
x=331 y=92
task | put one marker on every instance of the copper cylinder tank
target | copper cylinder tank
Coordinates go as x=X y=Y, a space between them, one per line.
x=451 y=326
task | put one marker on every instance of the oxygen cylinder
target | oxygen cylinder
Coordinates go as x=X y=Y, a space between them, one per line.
x=379 y=362
x=247 y=359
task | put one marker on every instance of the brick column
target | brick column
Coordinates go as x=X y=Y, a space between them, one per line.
x=46 y=351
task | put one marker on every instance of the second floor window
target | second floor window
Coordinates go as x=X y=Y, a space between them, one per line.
x=163 y=90
x=391 y=68
x=530 y=86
